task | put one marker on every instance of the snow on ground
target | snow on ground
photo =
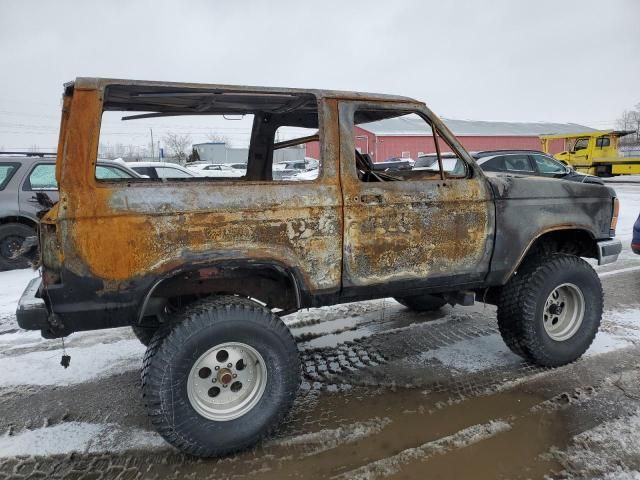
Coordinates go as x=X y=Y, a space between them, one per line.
x=624 y=179
x=327 y=439
x=12 y=284
x=609 y=451
x=620 y=329
x=87 y=363
x=78 y=437
x=472 y=355
x=629 y=210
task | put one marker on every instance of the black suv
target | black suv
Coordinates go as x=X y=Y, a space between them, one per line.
x=529 y=162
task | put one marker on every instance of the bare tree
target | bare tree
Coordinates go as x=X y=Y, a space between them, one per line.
x=630 y=120
x=216 y=138
x=178 y=146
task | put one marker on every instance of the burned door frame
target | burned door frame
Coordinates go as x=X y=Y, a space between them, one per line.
x=443 y=234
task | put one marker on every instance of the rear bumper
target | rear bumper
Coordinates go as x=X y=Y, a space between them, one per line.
x=635 y=247
x=32 y=313
x=608 y=251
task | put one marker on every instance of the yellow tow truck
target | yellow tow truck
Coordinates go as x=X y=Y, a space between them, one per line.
x=595 y=152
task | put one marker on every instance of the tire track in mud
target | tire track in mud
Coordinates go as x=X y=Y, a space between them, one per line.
x=369 y=354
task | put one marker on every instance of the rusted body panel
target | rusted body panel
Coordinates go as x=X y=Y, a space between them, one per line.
x=120 y=232
x=428 y=232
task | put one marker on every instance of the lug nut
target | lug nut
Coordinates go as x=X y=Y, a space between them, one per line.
x=217 y=367
x=234 y=375
x=229 y=365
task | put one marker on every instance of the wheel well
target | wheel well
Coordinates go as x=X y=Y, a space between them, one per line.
x=575 y=242
x=17 y=219
x=270 y=284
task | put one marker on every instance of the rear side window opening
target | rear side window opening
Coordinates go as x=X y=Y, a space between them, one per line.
x=217 y=135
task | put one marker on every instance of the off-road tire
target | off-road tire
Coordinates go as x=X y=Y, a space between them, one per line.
x=422 y=303
x=176 y=346
x=15 y=230
x=521 y=305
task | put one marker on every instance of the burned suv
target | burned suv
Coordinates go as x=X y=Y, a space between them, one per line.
x=204 y=268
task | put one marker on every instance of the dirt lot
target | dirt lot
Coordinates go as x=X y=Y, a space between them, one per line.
x=386 y=393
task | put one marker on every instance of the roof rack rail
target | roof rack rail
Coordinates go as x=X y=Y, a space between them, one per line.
x=31 y=154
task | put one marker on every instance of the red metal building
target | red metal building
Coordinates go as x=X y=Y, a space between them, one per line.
x=410 y=137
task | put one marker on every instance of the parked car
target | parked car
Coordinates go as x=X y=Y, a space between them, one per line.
x=429 y=162
x=21 y=177
x=289 y=168
x=306 y=175
x=530 y=162
x=219 y=170
x=517 y=162
x=239 y=166
x=203 y=271
x=157 y=170
x=635 y=242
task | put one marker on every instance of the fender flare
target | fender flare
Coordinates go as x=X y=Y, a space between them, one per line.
x=261 y=264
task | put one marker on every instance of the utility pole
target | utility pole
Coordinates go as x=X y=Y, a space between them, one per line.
x=152 y=153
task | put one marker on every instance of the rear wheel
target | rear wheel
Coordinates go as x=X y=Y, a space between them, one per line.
x=550 y=311
x=220 y=376
x=422 y=303
x=12 y=235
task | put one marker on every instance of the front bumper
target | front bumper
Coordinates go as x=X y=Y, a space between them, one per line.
x=608 y=251
x=32 y=312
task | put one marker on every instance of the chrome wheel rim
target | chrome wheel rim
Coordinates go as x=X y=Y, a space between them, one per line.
x=227 y=381
x=563 y=312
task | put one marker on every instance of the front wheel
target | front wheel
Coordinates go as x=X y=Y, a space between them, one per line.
x=550 y=311
x=220 y=376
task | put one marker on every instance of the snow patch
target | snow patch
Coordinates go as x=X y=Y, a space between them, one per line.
x=610 y=450
x=620 y=329
x=77 y=437
x=317 y=442
x=12 y=284
x=473 y=355
x=87 y=363
x=629 y=209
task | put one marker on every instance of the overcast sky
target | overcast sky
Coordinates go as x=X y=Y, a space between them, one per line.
x=561 y=61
